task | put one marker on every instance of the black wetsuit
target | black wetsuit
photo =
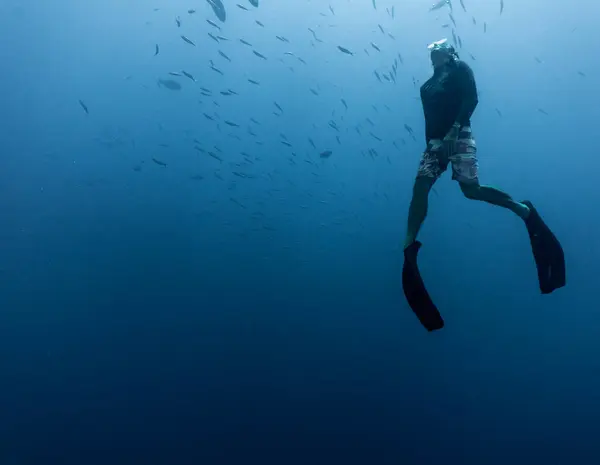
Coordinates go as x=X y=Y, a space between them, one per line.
x=449 y=96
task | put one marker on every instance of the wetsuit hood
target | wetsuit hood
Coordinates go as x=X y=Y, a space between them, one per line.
x=443 y=46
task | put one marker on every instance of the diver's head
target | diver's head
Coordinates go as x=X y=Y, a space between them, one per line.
x=442 y=53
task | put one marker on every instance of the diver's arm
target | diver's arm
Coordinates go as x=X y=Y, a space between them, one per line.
x=427 y=130
x=468 y=88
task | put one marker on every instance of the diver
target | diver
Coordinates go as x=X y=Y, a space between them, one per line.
x=449 y=99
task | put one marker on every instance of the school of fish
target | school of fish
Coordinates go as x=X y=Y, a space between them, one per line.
x=311 y=153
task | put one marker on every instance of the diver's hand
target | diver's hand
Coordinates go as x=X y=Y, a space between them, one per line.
x=451 y=138
x=453 y=133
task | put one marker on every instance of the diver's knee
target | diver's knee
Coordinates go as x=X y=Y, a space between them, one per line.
x=422 y=185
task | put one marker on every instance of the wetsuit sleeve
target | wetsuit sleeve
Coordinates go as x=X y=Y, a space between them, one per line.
x=468 y=89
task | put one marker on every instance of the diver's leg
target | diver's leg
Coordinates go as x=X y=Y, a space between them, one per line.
x=417 y=211
x=547 y=250
x=494 y=196
x=465 y=168
x=432 y=165
x=430 y=169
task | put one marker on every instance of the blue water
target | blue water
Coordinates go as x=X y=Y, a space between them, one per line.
x=183 y=314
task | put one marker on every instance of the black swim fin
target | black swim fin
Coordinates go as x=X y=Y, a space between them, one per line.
x=547 y=252
x=415 y=292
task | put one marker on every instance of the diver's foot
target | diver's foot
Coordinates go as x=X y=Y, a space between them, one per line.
x=523 y=211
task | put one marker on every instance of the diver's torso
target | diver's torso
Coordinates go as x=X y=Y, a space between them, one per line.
x=441 y=97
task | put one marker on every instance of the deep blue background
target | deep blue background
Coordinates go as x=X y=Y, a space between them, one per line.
x=146 y=318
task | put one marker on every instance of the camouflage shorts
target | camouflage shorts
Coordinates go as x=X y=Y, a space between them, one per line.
x=463 y=158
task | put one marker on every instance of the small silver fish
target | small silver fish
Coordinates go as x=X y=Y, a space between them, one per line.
x=213 y=24
x=185 y=39
x=188 y=75
x=439 y=5
x=84 y=106
x=215 y=156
